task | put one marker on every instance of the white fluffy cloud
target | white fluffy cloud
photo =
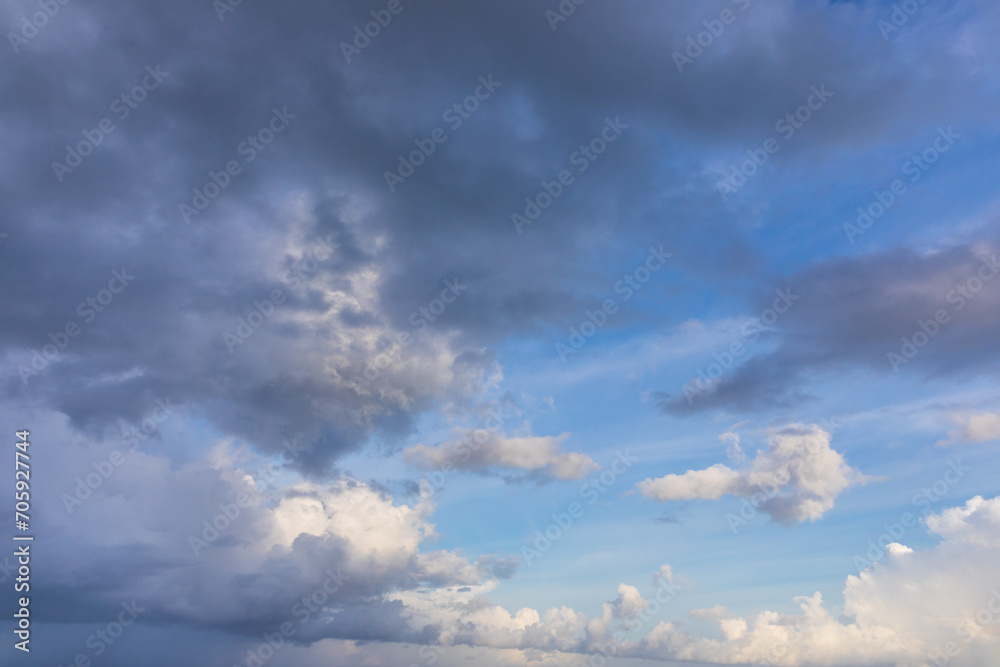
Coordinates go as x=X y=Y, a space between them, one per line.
x=630 y=601
x=981 y=427
x=799 y=477
x=480 y=450
x=464 y=616
x=907 y=611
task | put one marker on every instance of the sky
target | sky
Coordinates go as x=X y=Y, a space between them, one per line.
x=535 y=332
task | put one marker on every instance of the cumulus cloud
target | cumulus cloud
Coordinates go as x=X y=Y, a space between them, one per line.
x=629 y=601
x=217 y=543
x=903 y=611
x=974 y=524
x=625 y=608
x=481 y=450
x=449 y=617
x=666 y=574
x=981 y=427
x=797 y=478
x=363 y=562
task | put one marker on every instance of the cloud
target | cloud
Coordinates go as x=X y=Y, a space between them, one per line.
x=975 y=524
x=903 y=611
x=287 y=541
x=216 y=544
x=327 y=366
x=666 y=573
x=981 y=427
x=629 y=602
x=734 y=451
x=324 y=177
x=481 y=450
x=799 y=477
x=709 y=484
x=856 y=310
x=451 y=617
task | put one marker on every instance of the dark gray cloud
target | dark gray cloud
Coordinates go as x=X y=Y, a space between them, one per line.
x=325 y=170
x=928 y=314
